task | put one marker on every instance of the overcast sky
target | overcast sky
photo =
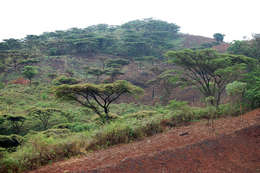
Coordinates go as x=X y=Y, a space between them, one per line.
x=234 y=18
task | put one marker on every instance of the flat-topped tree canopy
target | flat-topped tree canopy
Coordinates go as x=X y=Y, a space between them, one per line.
x=117 y=63
x=95 y=96
x=209 y=70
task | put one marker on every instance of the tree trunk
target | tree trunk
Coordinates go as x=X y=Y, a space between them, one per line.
x=153 y=93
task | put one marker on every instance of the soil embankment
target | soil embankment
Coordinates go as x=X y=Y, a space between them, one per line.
x=232 y=146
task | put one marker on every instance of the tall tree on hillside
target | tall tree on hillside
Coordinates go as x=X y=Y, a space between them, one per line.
x=97 y=96
x=114 y=73
x=96 y=72
x=208 y=70
x=29 y=72
x=117 y=63
x=153 y=82
x=219 y=37
x=114 y=67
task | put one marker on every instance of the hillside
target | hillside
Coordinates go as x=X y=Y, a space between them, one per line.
x=232 y=146
x=67 y=93
x=194 y=41
x=141 y=42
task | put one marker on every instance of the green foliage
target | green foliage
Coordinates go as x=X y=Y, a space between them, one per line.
x=40 y=150
x=248 y=48
x=113 y=73
x=29 y=72
x=10 y=141
x=141 y=114
x=124 y=132
x=116 y=63
x=219 y=37
x=2 y=119
x=96 y=72
x=177 y=105
x=17 y=122
x=241 y=48
x=97 y=96
x=252 y=93
x=57 y=144
x=208 y=45
x=77 y=126
x=136 y=38
x=236 y=88
x=56 y=133
x=43 y=115
x=208 y=70
x=2 y=153
x=2 y=86
x=65 y=80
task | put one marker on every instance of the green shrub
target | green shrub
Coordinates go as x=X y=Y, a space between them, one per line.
x=10 y=165
x=77 y=127
x=141 y=114
x=56 y=132
x=10 y=141
x=112 y=134
x=44 y=96
x=40 y=150
x=124 y=132
x=180 y=117
x=228 y=110
x=152 y=127
x=175 y=105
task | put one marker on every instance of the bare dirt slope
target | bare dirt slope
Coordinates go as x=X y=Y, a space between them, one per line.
x=233 y=146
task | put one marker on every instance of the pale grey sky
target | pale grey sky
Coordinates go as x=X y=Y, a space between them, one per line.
x=234 y=18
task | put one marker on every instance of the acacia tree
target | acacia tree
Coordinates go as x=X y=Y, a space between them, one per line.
x=29 y=72
x=208 y=70
x=168 y=81
x=113 y=73
x=17 y=122
x=156 y=71
x=114 y=67
x=97 y=96
x=116 y=63
x=96 y=72
x=43 y=114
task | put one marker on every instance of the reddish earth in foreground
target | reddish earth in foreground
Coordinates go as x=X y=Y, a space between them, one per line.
x=232 y=146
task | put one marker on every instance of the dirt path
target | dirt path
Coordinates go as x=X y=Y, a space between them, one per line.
x=234 y=146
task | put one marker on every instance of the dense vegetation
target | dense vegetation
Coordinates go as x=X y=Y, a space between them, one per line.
x=66 y=93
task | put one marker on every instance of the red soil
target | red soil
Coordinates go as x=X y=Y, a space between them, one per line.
x=195 y=40
x=222 y=48
x=20 y=81
x=232 y=146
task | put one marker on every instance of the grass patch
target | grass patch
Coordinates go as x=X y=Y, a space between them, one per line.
x=133 y=123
